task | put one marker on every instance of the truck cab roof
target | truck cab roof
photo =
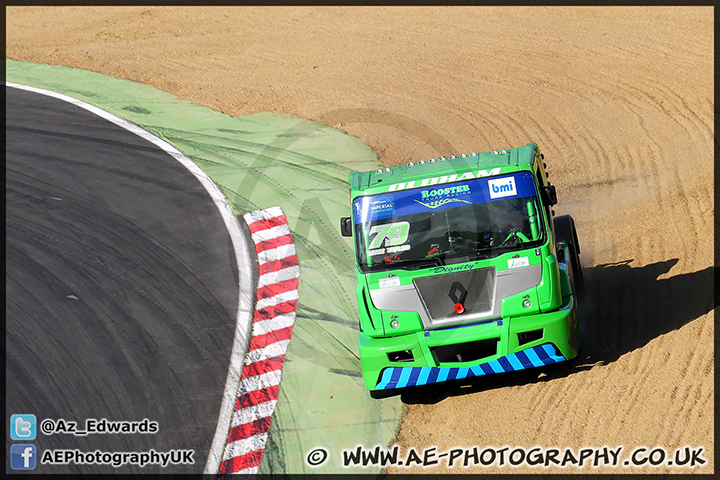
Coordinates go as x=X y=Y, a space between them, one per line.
x=423 y=173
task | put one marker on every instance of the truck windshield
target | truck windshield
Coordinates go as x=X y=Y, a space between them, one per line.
x=449 y=223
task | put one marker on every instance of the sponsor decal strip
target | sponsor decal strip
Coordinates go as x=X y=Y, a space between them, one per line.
x=401 y=377
x=410 y=200
x=273 y=321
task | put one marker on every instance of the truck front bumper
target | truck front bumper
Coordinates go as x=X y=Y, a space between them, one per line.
x=554 y=337
x=400 y=377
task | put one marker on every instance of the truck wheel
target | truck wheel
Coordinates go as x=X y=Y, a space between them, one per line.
x=565 y=232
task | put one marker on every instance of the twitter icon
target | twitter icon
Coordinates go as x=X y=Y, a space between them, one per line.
x=23 y=426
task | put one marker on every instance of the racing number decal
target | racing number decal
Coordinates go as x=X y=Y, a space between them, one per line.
x=394 y=233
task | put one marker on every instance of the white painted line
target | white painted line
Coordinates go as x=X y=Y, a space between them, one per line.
x=244 y=445
x=255 y=412
x=272 y=350
x=278 y=276
x=275 y=299
x=270 y=233
x=265 y=214
x=278 y=323
x=279 y=253
x=258 y=382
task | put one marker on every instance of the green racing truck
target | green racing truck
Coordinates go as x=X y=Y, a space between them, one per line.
x=463 y=270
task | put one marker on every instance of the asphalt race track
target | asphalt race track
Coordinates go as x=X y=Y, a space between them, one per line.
x=121 y=286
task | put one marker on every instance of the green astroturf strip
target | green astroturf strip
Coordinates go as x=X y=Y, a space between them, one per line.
x=259 y=161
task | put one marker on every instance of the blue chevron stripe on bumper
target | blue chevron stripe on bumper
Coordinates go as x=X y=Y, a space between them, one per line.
x=401 y=377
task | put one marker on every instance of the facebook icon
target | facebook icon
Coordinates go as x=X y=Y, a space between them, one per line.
x=23 y=457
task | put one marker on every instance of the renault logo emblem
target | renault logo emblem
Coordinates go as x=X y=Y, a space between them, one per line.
x=457 y=294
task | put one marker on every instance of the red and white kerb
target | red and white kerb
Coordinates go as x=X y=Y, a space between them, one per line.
x=277 y=295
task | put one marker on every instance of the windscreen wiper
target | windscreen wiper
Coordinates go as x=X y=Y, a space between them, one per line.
x=410 y=264
x=418 y=263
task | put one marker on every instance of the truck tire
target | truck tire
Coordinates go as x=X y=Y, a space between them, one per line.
x=565 y=232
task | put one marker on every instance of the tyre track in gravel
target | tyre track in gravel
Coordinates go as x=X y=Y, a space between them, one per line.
x=332 y=245
x=650 y=173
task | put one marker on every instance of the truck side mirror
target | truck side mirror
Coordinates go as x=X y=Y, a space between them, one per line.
x=548 y=195
x=345 y=227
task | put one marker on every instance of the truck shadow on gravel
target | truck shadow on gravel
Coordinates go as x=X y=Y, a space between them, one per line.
x=624 y=308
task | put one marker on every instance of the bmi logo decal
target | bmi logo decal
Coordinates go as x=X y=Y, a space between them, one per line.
x=502 y=187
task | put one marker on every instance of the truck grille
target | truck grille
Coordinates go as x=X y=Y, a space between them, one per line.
x=465 y=352
x=438 y=294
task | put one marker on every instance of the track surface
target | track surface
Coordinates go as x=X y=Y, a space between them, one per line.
x=253 y=159
x=621 y=100
x=121 y=285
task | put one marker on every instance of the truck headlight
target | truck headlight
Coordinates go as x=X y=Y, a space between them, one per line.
x=526 y=302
